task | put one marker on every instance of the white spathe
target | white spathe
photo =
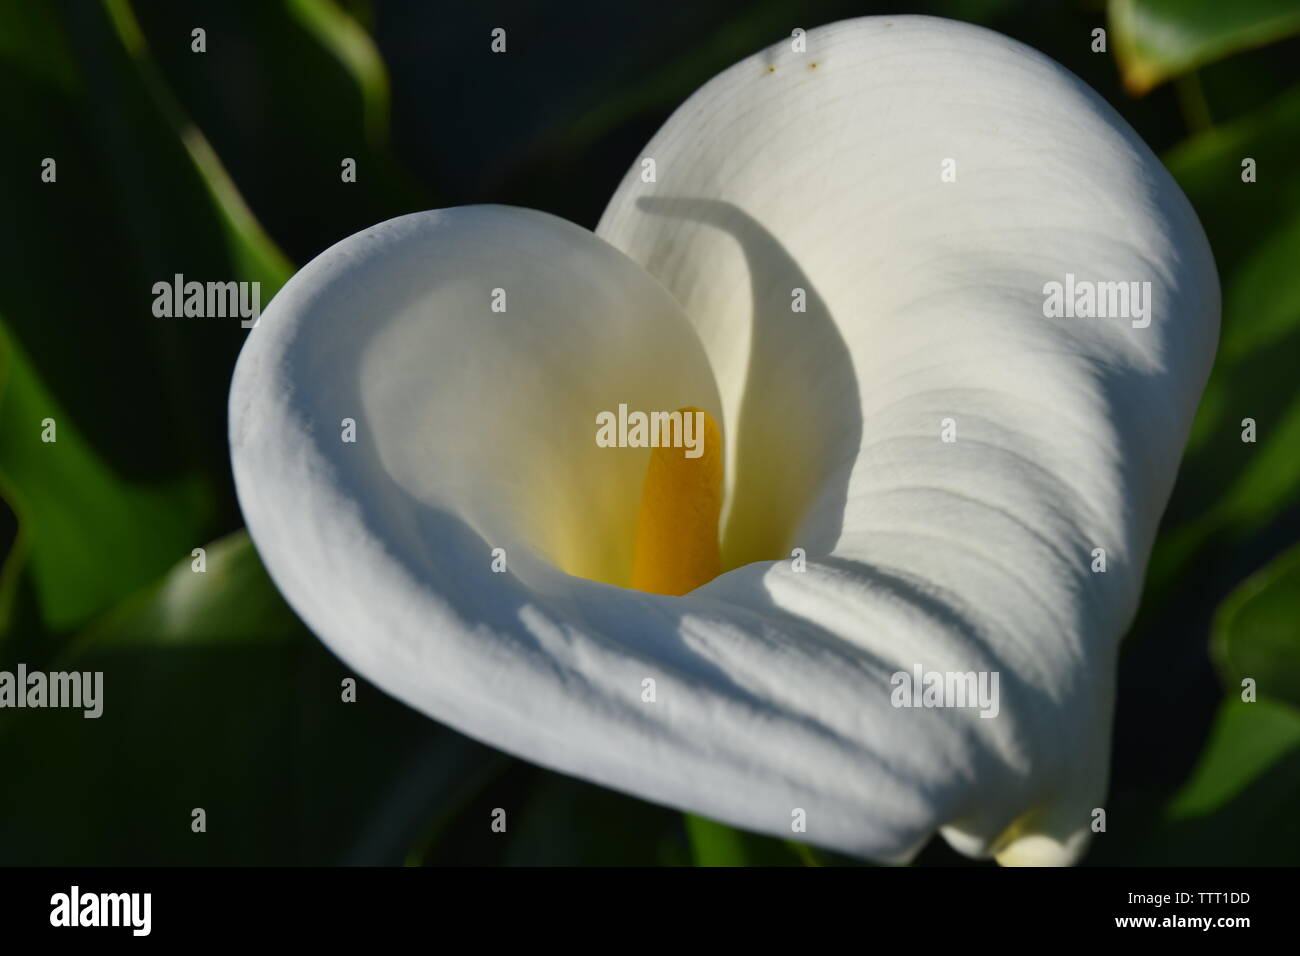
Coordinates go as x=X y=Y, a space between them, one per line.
x=923 y=303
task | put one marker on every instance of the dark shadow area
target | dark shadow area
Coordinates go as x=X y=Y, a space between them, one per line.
x=1253 y=828
x=258 y=736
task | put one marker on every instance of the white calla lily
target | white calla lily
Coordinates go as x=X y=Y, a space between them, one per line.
x=821 y=172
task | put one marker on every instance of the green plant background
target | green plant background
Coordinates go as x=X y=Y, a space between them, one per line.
x=226 y=165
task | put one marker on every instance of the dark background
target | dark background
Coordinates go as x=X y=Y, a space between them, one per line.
x=225 y=165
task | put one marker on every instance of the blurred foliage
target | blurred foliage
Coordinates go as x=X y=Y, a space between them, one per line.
x=1239 y=808
x=1240 y=805
x=235 y=708
x=225 y=165
x=1223 y=494
x=1254 y=632
x=1159 y=39
x=714 y=844
x=80 y=525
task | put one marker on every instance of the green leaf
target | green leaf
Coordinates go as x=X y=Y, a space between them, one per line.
x=284 y=93
x=1257 y=632
x=1241 y=805
x=251 y=250
x=1155 y=40
x=134 y=481
x=230 y=601
x=1246 y=741
x=1239 y=216
x=85 y=535
x=716 y=844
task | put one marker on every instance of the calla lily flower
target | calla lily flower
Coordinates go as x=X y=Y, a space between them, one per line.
x=915 y=472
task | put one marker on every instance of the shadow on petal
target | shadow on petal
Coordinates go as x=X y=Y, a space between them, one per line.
x=800 y=419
